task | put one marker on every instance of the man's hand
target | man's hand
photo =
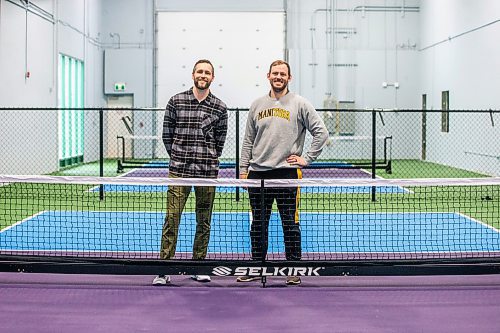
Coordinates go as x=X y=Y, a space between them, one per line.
x=296 y=160
x=244 y=176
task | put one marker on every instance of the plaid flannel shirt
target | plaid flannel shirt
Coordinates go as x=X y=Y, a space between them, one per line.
x=194 y=134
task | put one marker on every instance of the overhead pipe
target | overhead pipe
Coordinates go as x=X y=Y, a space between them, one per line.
x=383 y=9
x=34 y=9
x=449 y=39
x=313 y=49
x=40 y=12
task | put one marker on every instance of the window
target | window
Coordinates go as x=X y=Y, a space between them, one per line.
x=445 y=113
x=70 y=94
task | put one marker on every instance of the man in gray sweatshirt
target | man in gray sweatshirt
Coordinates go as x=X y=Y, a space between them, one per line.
x=273 y=149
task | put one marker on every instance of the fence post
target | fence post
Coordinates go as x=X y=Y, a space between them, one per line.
x=101 y=152
x=263 y=230
x=374 y=150
x=237 y=159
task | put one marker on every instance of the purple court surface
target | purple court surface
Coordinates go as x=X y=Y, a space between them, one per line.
x=32 y=302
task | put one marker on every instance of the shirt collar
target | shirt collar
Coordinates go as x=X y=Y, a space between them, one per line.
x=282 y=98
x=207 y=100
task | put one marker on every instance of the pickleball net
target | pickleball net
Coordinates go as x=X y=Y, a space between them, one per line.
x=120 y=220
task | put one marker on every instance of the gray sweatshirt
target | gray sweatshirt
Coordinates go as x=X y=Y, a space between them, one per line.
x=276 y=129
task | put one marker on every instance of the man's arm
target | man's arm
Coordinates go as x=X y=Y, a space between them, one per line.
x=221 y=132
x=315 y=125
x=246 y=148
x=169 y=121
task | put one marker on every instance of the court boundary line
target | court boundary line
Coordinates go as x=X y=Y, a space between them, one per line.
x=246 y=253
x=94 y=189
x=478 y=221
x=82 y=251
x=405 y=190
x=248 y=212
x=24 y=220
x=250 y=215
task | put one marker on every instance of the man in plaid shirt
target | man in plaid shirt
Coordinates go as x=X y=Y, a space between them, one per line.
x=194 y=132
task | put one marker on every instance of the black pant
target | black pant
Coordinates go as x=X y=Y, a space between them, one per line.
x=287 y=202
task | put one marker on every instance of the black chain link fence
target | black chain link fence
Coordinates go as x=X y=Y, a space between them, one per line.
x=362 y=143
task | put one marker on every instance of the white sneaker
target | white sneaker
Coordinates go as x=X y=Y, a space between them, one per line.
x=201 y=278
x=293 y=280
x=161 y=280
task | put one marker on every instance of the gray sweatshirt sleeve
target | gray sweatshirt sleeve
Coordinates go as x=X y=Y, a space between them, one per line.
x=315 y=125
x=248 y=140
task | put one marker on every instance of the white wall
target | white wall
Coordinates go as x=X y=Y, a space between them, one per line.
x=29 y=139
x=220 y=5
x=94 y=69
x=364 y=49
x=467 y=67
x=128 y=36
x=129 y=52
x=79 y=36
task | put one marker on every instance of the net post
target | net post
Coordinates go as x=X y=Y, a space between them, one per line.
x=263 y=230
x=237 y=157
x=262 y=217
x=101 y=152
x=374 y=150
x=263 y=280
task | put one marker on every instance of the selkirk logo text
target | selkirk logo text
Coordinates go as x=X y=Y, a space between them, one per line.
x=268 y=271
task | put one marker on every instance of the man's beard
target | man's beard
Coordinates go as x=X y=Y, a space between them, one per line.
x=199 y=84
x=279 y=90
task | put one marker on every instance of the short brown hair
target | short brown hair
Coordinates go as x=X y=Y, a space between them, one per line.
x=280 y=62
x=203 y=61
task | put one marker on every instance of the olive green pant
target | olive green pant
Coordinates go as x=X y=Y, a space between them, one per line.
x=176 y=200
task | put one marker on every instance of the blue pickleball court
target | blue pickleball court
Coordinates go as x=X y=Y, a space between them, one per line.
x=129 y=232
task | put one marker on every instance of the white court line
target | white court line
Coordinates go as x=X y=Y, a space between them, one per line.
x=404 y=189
x=23 y=220
x=93 y=189
x=249 y=214
x=244 y=213
x=76 y=251
x=131 y=170
x=385 y=213
x=477 y=221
